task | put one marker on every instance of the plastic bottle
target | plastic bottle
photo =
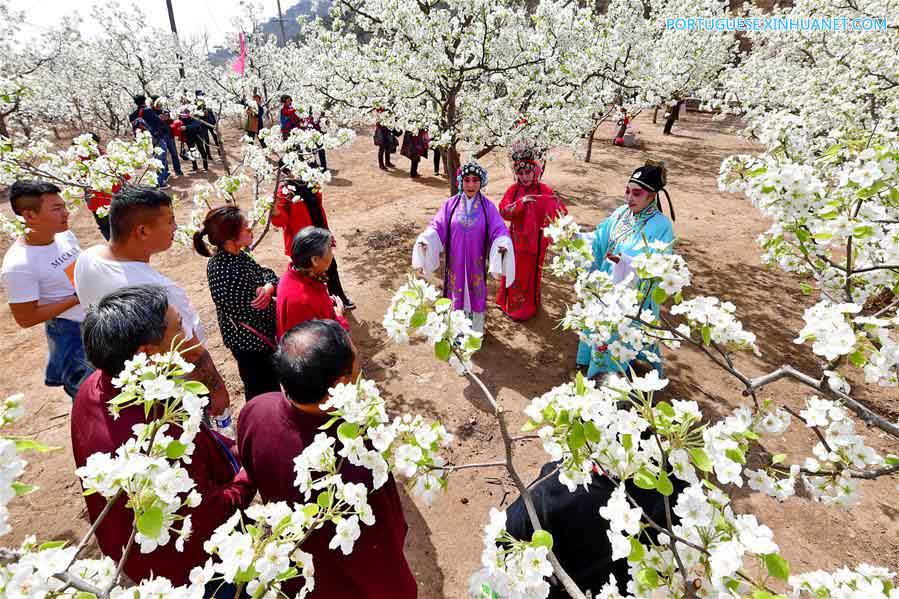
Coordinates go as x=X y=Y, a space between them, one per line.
x=225 y=423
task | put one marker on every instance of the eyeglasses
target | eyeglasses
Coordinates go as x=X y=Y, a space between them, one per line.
x=635 y=191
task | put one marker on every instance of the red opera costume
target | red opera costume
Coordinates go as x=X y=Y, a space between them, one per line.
x=527 y=220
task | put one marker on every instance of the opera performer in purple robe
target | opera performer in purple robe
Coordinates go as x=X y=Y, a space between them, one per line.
x=469 y=230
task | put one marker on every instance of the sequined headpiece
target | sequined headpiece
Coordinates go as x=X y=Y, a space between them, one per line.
x=472 y=168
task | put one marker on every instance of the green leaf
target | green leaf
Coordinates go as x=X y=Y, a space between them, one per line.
x=347 y=430
x=579 y=386
x=443 y=302
x=591 y=432
x=286 y=575
x=891 y=460
x=665 y=408
x=576 y=437
x=196 y=387
x=664 y=484
x=644 y=479
x=473 y=343
x=23 y=489
x=627 y=441
x=762 y=595
x=648 y=578
x=778 y=458
x=442 y=350
x=32 y=445
x=542 y=538
x=637 y=552
x=700 y=459
x=736 y=455
x=52 y=545
x=805 y=288
x=802 y=234
x=84 y=595
x=328 y=424
x=324 y=500
x=311 y=510
x=706 y=334
x=418 y=319
x=777 y=566
x=149 y=523
x=175 y=450
x=659 y=296
x=858 y=359
x=529 y=426
x=549 y=414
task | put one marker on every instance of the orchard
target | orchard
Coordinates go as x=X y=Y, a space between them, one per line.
x=815 y=118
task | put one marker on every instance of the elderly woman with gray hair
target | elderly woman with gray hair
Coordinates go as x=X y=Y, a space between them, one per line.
x=303 y=290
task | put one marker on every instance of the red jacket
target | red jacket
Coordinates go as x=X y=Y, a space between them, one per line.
x=301 y=298
x=178 y=129
x=223 y=491
x=291 y=217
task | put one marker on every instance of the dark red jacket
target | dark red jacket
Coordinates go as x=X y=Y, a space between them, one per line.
x=300 y=298
x=271 y=432
x=224 y=491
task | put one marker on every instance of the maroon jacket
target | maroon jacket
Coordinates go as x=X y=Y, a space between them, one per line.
x=224 y=490
x=271 y=432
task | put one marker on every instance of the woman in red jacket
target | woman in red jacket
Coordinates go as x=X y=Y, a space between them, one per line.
x=298 y=207
x=529 y=205
x=303 y=291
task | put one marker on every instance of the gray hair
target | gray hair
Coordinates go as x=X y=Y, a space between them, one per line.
x=309 y=243
x=122 y=322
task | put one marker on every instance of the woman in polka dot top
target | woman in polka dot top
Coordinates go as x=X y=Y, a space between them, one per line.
x=242 y=292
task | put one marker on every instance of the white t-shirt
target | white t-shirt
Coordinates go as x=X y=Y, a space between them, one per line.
x=42 y=273
x=96 y=277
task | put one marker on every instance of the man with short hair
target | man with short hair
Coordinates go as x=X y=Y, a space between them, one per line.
x=142 y=223
x=126 y=322
x=275 y=428
x=38 y=271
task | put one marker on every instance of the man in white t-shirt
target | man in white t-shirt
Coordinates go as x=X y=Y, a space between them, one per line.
x=142 y=223
x=37 y=273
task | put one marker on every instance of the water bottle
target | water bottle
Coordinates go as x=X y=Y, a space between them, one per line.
x=225 y=423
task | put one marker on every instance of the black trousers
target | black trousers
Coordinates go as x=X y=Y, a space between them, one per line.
x=256 y=372
x=383 y=156
x=203 y=150
x=437 y=161
x=334 y=286
x=413 y=171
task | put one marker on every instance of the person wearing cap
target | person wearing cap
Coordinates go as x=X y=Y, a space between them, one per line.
x=529 y=205
x=617 y=240
x=470 y=231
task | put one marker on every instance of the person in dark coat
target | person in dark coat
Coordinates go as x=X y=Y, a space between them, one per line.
x=193 y=132
x=579 y=532
x=415 y=147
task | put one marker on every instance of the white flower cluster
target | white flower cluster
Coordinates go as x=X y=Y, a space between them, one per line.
x=146 y=468
x=265 y=552
x=409 y=445
x=571 y=248
x=11 y=465
x=829 y=331
x=510 y=567
x=863 y=580
x=716 y=322
x=668 y=271
x=77 y=169
x=416 y=310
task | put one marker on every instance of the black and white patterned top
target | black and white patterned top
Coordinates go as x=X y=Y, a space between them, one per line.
x=233 y=280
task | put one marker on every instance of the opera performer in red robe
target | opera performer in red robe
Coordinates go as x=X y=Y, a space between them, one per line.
x=529 y=205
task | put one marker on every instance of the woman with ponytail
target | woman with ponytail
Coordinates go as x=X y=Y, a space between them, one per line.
x=242 y=292
x=623 y=235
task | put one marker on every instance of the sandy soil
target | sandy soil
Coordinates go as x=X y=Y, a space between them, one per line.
x=376 y=216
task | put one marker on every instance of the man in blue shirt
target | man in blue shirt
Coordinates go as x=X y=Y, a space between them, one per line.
x=145 y=119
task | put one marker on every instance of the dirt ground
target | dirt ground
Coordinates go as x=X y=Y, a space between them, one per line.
x=376 y=216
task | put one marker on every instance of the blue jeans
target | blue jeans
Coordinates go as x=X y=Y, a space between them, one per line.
x=169 y=144
x=67 y=365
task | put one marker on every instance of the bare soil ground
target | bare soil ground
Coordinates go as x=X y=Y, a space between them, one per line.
x=376 y=216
